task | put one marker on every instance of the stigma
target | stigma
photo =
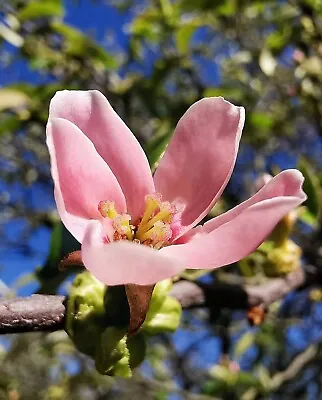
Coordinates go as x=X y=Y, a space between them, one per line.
x=155 y=228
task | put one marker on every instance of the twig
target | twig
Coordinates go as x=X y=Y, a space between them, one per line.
x=46 y=313
x=298 y=363
x=34 y=313
x=291 y=372
x=224 y=295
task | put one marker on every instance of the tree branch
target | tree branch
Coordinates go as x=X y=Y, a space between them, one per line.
x=224 y=295
x=34 y=313
x=46 y=313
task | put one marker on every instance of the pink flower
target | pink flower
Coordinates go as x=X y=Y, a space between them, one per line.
x=135 y=228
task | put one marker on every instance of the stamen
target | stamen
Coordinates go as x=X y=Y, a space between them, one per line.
x=107 y=209
x=158 y=225
x=160 y=232
x=165 y=214
x=153 y=203
x=121 y=224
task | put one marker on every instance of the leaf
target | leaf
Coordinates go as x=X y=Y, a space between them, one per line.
x=56 y=243
x=267 y=62
x=156 y=147
x=244 y=343
x=312 y=66
x=261 y=121
x=229 y=93
x=78 y=44
x=312 y=188
x=278 y=39
x=147 y=26
x=307 y=217
x=10 y=35
x=9 y=124
x=40 y=9
x=62 y=243
x=193 y=274
x=13 y=99
x=183 y=36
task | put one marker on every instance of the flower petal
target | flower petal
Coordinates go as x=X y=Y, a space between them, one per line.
x=201 y=156
x=82 y=178
x=125 y=262
x=286 y=183
x=235 y=234
x=114 y=141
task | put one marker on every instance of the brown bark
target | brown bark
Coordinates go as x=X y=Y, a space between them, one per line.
x=46 y=313
x=34 y=313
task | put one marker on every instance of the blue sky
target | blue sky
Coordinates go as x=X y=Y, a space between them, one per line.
x=97 y=20
x=103 y=23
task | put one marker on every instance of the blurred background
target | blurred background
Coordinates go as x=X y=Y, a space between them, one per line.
x=153 y=59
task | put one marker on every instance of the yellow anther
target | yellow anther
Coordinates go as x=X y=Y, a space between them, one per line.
x=160 y=232
x=121 y=224
x=154 y=229
x=165 y=214
x=153 y=203
x=107 y=209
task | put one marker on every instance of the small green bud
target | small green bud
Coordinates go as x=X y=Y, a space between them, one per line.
x=164 y=312
x=316 y=295
x=85 y=317
x=284 y=228
x=112 y=355
x=97 y=322
x=282 y=259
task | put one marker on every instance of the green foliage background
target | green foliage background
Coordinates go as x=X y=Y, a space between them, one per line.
x=268 y=58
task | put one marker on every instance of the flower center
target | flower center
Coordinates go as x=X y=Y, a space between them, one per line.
x=157 y=226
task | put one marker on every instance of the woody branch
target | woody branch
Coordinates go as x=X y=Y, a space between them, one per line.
x=47 y=313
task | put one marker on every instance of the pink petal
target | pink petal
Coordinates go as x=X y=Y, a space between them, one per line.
x=82 y=178
x=286 y=183
x=124 y=262
x=114 y=141
x=235 y=234
x=201 y=156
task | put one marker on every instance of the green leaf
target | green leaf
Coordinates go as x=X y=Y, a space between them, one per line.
x=78 y=44
x=11 y=35
x=308 y=218
x=312 y=188
x=229 y=93
x=147 y=26
x=261 y=121
x=11 y=98
x=112 y=355
x=9 y=124
x=267 y=62
x=62 y=243
x=56 y=243
x=277 y=40
x=164 y=312
x=193 y=274
x=156 y=147
x=244 y=343
x=312 y=66
x=40 y=9
x=183 y=36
